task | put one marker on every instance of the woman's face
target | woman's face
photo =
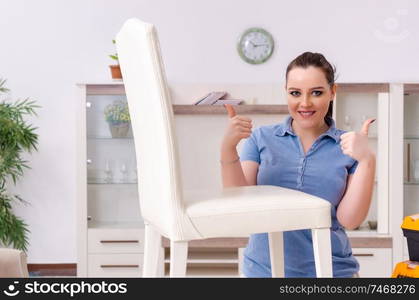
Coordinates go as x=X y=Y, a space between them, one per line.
x=309 y=95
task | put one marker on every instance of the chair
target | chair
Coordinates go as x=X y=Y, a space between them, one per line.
x=182 y=216
x=13 y=263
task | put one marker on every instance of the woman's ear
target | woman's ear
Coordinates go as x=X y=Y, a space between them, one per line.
x=333 y=91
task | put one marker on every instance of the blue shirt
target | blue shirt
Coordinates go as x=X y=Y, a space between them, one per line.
x=323 y=172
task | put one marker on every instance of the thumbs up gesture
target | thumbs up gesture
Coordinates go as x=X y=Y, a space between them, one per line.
x=355 y=144
x=239 y=127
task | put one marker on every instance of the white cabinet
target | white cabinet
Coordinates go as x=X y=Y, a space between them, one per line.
x=374 y=262
x=404 y=151
x=354 y=104
x=109 y=225
x=410 y=204
x=411 y=150
x=110 y=230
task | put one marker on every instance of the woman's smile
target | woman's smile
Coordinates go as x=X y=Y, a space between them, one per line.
x=306 y=114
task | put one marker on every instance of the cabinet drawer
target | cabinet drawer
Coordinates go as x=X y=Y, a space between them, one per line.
x=374 y=262
x=115 y=265
x=116 y=240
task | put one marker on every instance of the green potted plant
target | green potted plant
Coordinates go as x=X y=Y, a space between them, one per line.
x=117 y=116
x=16 y=137
x=115 y=69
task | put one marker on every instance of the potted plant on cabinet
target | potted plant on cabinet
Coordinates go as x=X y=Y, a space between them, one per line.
x=117 y=116
x=16 y=137
x=115 y=69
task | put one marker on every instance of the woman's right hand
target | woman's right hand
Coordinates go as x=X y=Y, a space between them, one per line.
x=239 y=127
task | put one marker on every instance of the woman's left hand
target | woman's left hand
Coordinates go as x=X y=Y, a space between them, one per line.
x=355 y=144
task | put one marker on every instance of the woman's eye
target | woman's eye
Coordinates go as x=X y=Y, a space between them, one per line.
x=295 y=93
x=317 y=93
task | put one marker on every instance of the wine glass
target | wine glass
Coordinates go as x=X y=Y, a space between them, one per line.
x=124 y=172
x=108 y=172
x=348 y=123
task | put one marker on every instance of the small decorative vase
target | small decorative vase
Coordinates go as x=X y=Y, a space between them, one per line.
x=116 y=71
x=119 y=130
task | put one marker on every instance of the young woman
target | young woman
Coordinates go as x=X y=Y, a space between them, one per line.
x=308 y=153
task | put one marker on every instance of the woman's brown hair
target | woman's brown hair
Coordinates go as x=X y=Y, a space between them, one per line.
x=310 y=59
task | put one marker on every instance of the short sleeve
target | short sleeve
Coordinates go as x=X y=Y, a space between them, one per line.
x=250 y=150
x=353 y=168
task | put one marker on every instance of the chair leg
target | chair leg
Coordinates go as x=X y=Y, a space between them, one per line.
x=161 y=266
x=276 y=252
x=153 y=253
x=178 y=258
x=322 y=252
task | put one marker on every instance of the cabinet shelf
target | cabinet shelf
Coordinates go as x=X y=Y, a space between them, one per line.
x=109 y=138
x=100 y=182
x=115 y=225
x=411 y=182
x=411 y=137
x=362 y=232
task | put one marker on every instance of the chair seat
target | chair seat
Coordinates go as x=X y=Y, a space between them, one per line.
x=241 y=211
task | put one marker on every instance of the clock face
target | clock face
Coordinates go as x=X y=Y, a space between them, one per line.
x=255 y=45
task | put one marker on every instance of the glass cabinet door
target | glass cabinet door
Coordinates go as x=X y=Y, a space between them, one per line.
x=411 y=150
x=112 y=195
x=354 y=104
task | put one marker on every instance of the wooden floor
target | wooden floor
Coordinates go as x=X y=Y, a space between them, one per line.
x=65 y=270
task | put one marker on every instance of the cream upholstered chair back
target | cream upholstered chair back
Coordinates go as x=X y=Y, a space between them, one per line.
x=13 y=263
x=159 y=180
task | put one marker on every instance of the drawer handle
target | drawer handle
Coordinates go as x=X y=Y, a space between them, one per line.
x=119 y=266
x=364 y=254
x=119 y=241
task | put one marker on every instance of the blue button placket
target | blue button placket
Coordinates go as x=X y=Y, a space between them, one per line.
x=304 y=158
x=302 y=163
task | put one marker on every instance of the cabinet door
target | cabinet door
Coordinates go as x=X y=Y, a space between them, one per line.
x=354 y=104
x=411 y=150
x=112 y=194
x=374 y=262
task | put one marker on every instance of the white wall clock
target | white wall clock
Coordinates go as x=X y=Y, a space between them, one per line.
x=255 y=45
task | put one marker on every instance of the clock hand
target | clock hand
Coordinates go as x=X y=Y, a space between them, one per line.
x=258 y=45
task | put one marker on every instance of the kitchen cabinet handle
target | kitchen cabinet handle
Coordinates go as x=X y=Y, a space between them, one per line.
x=119 y=266
x=118 y=241
x=408 y=162
x=364 y=254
